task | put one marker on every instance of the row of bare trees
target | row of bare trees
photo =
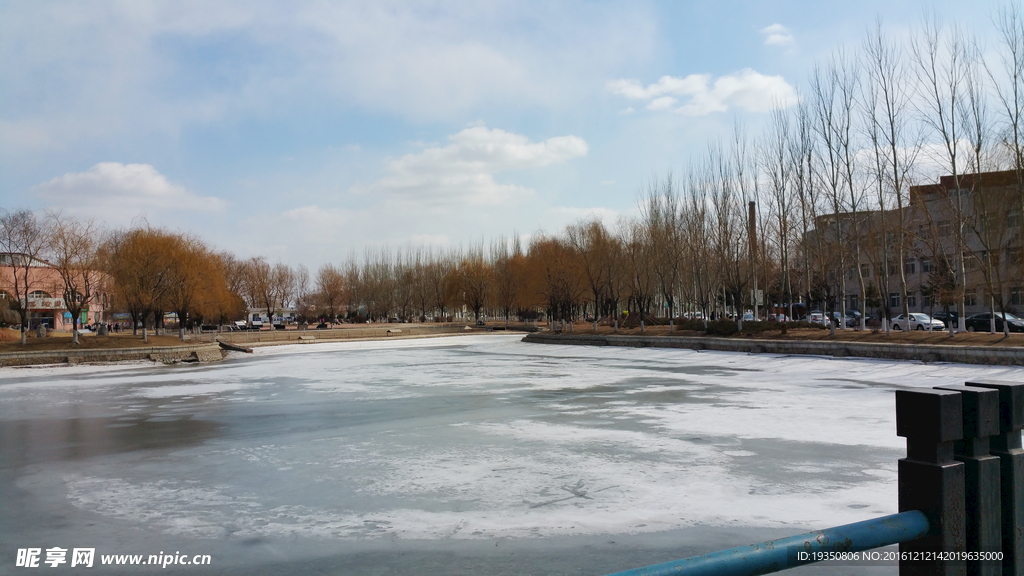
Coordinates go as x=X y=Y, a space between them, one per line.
x=142 y=271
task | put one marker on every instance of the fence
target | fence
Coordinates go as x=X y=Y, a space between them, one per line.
x=961 y=495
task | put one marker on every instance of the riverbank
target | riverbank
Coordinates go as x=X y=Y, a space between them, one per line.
x=104 y=355
x=57 y=348
x=964 y=348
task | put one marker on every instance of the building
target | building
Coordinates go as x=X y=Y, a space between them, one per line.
x=971 y=229
x=46 y=300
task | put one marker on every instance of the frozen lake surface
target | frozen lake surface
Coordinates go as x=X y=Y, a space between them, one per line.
x=460 y=455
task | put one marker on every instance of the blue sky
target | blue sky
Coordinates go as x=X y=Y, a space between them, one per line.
x=306 y=131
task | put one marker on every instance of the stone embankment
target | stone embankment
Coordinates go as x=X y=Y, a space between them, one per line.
x=922 y=352
x=342 y=333
x=164 y=354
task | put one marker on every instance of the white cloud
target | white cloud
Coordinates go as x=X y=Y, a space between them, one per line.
x=316 y=217
x=662 y=103
x=777 y=35
x=115 y=191
x=570 y=214
x=463 y=170
x=746 y=89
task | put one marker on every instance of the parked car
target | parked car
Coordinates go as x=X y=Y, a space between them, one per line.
x=983 y=322
x=853 y=319
x=778 y=318
x=322 y=326
x=952 y=318
x=917 y=321
x=748 y=317
x=815 y=317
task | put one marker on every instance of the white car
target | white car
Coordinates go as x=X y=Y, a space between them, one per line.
x=917 y=321
x=815 y=317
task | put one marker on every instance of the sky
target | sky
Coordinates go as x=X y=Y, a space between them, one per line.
x=308 y=132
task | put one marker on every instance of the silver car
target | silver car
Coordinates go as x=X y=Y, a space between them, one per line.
x=917 y=321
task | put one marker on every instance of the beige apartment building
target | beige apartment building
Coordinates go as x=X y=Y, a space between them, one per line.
x=970 y=228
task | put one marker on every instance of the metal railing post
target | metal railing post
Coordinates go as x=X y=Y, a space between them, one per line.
x=1007 y=446
x=930 y=480
x=981 y=471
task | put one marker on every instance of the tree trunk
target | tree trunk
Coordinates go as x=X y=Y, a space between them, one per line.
x=992 y=314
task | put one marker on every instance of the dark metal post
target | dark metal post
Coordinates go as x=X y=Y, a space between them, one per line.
x=930 y=480
x=981 y=470
x=1007 y=446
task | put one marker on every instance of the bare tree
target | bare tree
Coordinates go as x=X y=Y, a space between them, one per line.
x=776 y=164
x=475 y=280
x=304 y=296
x=942 y=70
x=23 y=240
x=73 y=251
x=330 y=284
x=507 y=270
x=833 y=88
x=660 y=213
x=896 y=145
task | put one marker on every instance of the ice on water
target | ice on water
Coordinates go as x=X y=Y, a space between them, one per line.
x=470 y=437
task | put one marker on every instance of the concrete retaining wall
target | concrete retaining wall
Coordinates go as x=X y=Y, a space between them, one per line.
x=924 y=353
x=345 y=332
x=165 y=354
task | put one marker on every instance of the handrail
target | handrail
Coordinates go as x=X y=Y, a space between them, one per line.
x=777 y=555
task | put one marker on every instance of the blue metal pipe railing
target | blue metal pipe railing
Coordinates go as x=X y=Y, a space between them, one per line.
x=777 y=555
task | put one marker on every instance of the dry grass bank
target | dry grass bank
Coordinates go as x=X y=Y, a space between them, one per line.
x=11 y=341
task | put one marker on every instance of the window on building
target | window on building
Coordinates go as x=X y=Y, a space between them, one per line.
x=894 y=299
x=852 y=302
x=912 y=300
x=944 y=229
x=988 y=259
x=39 y=294
x=1013 y=219
x=970 y=262
x=910 y=267
x=892 y=268
x=1014 y=256
x=865 y=270
x=985 y=222
x=970 y=298
x=927 y=301
x=1016 y=298
x=926 y=265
